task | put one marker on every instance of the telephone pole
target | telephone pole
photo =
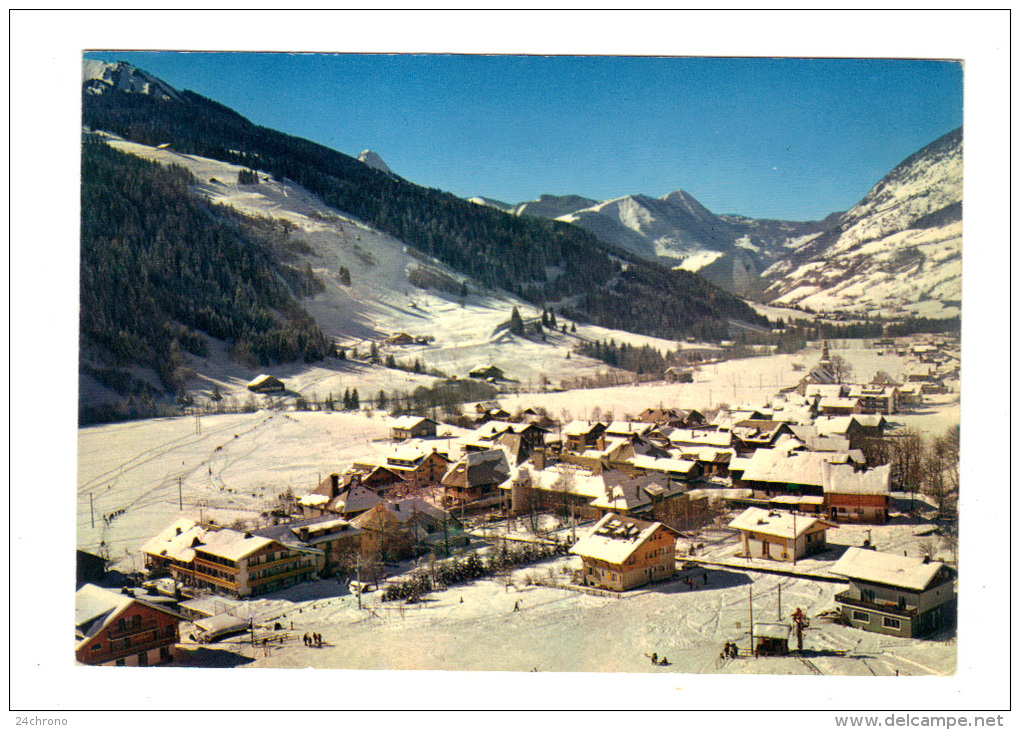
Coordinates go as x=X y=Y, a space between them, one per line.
x=180 y=495
x=92 y=514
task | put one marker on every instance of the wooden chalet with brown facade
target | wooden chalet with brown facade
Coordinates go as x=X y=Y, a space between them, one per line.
x=118 y=629
x=620 y=553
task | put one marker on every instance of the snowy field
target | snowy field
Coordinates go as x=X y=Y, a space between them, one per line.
x=475 y=627
x=235 y=466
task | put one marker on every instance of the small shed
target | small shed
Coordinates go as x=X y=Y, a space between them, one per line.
x=266 y=384
x=771 y=639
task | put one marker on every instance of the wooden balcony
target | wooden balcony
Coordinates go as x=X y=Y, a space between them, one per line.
x=890 y=608
x=130 y=629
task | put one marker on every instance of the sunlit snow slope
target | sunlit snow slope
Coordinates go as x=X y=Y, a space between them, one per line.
x=896 y=252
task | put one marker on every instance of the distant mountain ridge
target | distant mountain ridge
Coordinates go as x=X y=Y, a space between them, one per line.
x=676 y=230
x=542 y=261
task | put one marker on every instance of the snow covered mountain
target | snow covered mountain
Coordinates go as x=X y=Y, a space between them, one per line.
x=99 y=77
x=374 y=161
x=678 y=231
x=898 y=251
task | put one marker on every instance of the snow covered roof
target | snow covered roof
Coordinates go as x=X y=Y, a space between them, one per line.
x=406 y=422
x=780 y=524
x=614 y=538
x=839 y=425
x=886 y=568
x=233 y=545
x=789 y=467
x=181 y=539
x=824 y=390
x=623 y=493
x=581 y=428
x=96 y=608
x=772 y=631
x=670 y=466
x=843 y=479
x=627 y=428
x=221 y=623
x=700 y=437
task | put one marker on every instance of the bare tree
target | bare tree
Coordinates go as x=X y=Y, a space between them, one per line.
x=907 y=458
x=842 y=370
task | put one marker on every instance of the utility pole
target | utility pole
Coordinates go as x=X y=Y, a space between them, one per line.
x=779 y=607
x=750 y=612
x=180 y=495
x=92 y=514
x=357 y=572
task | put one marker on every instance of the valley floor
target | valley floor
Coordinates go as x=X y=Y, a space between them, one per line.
x=228 y=467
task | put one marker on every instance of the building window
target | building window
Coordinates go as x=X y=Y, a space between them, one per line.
x=862 y=616
x=97 y=647
x=891 y=623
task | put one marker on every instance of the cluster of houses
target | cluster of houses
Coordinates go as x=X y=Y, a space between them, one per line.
x=798 y=465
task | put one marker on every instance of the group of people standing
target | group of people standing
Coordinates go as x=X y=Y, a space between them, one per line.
x=313 y=640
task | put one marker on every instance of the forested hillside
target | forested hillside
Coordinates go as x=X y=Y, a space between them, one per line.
x=543 y=261
x=159 y=267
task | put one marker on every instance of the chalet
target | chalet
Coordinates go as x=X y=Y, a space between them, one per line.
x=895 y=594
x=333 y=540
x=379 y=479
x=581 y=434
x=787 y=471
x=221 y=560
x=697 y=438
x=751 y=435
x=910 y=394
x=266 y=384
x=856 y=496
x=486 y=372
x=401 y=338
x=814 y=441
x=724 y=419
x=398 y=529
x=872 y=425
x=342 y=495
x=713 y=462
x=779 y=535
x=825 y=390
x=620 y=553
x=630 y=430
x=848 y=427
x=409 y=427
x=417 y=465
x=118 y=629
x=839 y=406
x=637 y=496
x=876 y=398
x=678 y=375
x=568 y=489
x=675 y=417
x=484 y=436
x=682 y=470
x=475 y=477
x=884 y=378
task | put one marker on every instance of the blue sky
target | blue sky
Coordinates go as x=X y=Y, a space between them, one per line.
x=769 y=138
